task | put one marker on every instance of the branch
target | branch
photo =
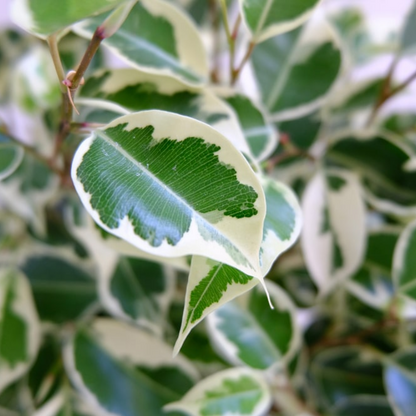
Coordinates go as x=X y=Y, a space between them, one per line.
x=387 y=91
x=236 y=72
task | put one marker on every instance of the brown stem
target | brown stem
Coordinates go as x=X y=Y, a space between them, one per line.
x=92 y=48
x=387 y=91
x=237 y=71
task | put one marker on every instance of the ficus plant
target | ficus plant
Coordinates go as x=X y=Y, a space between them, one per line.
x=204 y=212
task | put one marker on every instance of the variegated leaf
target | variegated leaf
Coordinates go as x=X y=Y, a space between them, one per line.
x=158 y=38
x=212 y=284
x=373 y=284
x=404 y=262
x=11 y=155
x=296 y=70
x=267 y=18
x=63 y=285
x=236 y=391
x=246 y=331
x=172 y=186
x=138 y=91
x=19 y=326
x=385 y=164
x=45 y=17
x=126 y=371
x=334 y=235
x=260 y=136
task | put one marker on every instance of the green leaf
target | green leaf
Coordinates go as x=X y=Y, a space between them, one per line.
x=267 y=18
x=167 y=42
x=234 y=391
x=19 y=326
x=246 y=331
x=260 y=136
x=295 y=71
x=138 y=290
x=384 y=164
x=364 y=405
x=408 y=36
x=11 y=155
x=334 y=235
x=400 y=381
x=138 y=91
x=404 y=263
x=373 y=284
x=63 y=288
x=212 y=284
x=125 y=370
x=343 y=372
x=45 y=17
x=172 y=186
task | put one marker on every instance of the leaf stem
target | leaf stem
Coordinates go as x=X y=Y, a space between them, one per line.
x=53 y=48
x=237 y=71
x=230 y=38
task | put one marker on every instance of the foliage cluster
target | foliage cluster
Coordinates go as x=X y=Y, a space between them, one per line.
x=140 y=201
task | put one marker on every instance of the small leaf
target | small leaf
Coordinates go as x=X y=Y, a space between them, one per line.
x=11 y=155
x=246 y=331
x=267 y=18
x=343 y=372
x=45 y=17
x=138 y=290
x=400 y=381
x=167 y=43
x=334 y=235
x=234 y=391
x=212 y=284
x=373 y=284
x=138 y=91
x=295 y=71
x=404 y=263
x=260 y=136
x=183 y=188
x=19 y=326
x=383 y=163
x=62 y=286
x=125 y=370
